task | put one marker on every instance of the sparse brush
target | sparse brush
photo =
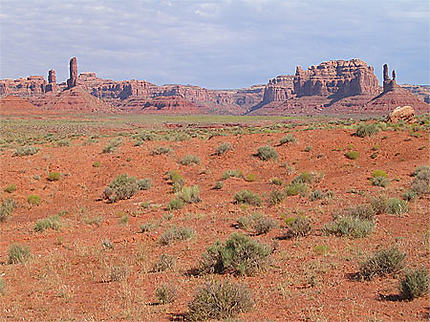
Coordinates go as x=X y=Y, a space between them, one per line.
x=266 y=153
x=365 y=211
x=189 y=159
x=176 y=234
x=52 y=222
x=247 y=197
x=112 y=145
x=223 y=148
x=276 y=197
x=161 y=150
x=166 y=293
x=124 y=187
x=189 y=194
x=299 y=227
x=352 y=155
x=352 y=227
x=218 y=185
x=258 y=223
x=364 y=130
x=294 y=189
x=118 y=273
x=219 y=300
x=10 y=188
x=26 y=150
x=415 y=284
x=276 y=181
x=384 y=262
x=6 y=209
x=289 y=138
x=34 y=200
x=54 y=176
x=232 y=173
x=18 y=254
x=397 y=206
x=380 y=181
x=164 y=262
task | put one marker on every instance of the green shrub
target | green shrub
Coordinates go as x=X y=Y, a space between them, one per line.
x=421 y=183
x=409 y=195
x=266 y=153
x=257 y=223
x=18 y=254
x=6 y=209
x=218 y=185
x=251 y=177
x=147 y=227
x=247 y=197
x=123 y=220
x=352 y=227
x=124 y=187
x=308 y=148
x=165 y=262
x=380 y=181
x=175 y=204
x=176 y=234
x=52 y=222
x=294 y=189
x=62 y=143
x=379 y=205
x=276 y=181
x=365 y=211
x=298 y=227
x=352 y=155
x=26 y=150
x=223 y=148
x=189 y=159
x=10 y=188
x=415 y=284
x=305 y=177
x=34 y=200
x=364 y=130
x=118 y=273
x=289 y=138
x=316 y=195
x=54 y=176
x=97 y=164
x=276 y=197
x=112 y=145
x=379 y=173
x=166 y=293
x=219 y=300
x=232 y=173
x=397 y=206
x=239 y=255
x=161 y=150
x=189 y=194
x=384 y=262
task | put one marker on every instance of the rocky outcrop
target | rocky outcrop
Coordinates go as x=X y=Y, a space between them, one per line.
x=388 y=83
x=52 y=82
x=337 y=79
x=23 y=87
x=73 y=79
x=278 y=89
x=420 y=91
x=402 y=113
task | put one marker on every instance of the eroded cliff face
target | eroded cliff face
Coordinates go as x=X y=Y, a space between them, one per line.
x=279 y=89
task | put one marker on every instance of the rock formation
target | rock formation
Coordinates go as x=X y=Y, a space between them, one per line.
x=278 y=89
x=72 y=81
x=388 y=83
x=402 y=113
x=52 y=82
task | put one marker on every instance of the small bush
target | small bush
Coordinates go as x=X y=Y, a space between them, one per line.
x=386 y=261
x=189 y=194
x=239 y=255
x=266 y=153
x=409 y=195
x=10 y=188
x=166 y=293
x=232 y=173
x=397 y=206
x=289 y=138
x=124 y=187
x=421 y=183
x=176 y=204
x=112 y=145
x=352 y=155
x=415 y=284
x=161 y=150
x=251 y=177
x=223 y=148
x=219 y=300
x=380 y=182
x=258 y=223
x=276 y=197
x=276 y=181
x=305 y=177
x=34 y=200
x=308 y=149
x=218 y=185
x=365 y=211
x=352 y=227
x=18 y=254
x=52 y=222
x=299 y=227
x=6 y=209
x=247 y=197
x=176 y=234
x=316 y=195
x=26 y=150
x=97 y=164
x=364 y=130
x=147 y=227
x=294 y=189
x=379 y=173
x=189 y=159
x=54 y=176
x=165 y=262
x=379 y=205
x=118 y=273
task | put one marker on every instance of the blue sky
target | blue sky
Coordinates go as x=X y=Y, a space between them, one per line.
x=212 y=43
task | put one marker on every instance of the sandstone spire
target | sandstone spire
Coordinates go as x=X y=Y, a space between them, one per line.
x=71 y=82
x=385 y=73
x=52 y=82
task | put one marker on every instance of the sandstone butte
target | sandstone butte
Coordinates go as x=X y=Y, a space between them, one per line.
x=340 y=86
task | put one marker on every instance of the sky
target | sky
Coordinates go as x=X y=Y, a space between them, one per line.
x=212 y=43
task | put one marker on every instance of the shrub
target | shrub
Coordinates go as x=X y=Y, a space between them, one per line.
x=218 y=185
x=247 y=197
x=189 y=159
x=276 y=197
x=219 y=300
x=421 y=183
x=352 y=155
x=379 y=205
x=232 y=173
x=386 y=261
x=34 y=200
x=365 y=211
x=380 y=181
x=189 y=194
x=147 y=227
x=266 y=153
x=415 y=284
x=379 y=173
x=176 y=234
x=164 y=263
x=289 y=138
x=18 y=254
x=6 y=209
x=409 y=195
x=52 y=222
x=258 y=223
x=316 y=195
x=308 y=148
x=397 y=206
x=223 y=148
x=276 y=181
x=112 y=145
x=10 y=188
x=364 y=130
x=2 y=286
x=118 y=273
x=54 y=176
x=293 y=189
x=166 y=293
x=97 y=164
x=175 y=204
x=161 y=150
x=352 y=227
x=239 y=255
x=305 y=177
x=26 y=150
x=123 y=220
x=124 y=187
x=251 y=177
x=299 y=227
